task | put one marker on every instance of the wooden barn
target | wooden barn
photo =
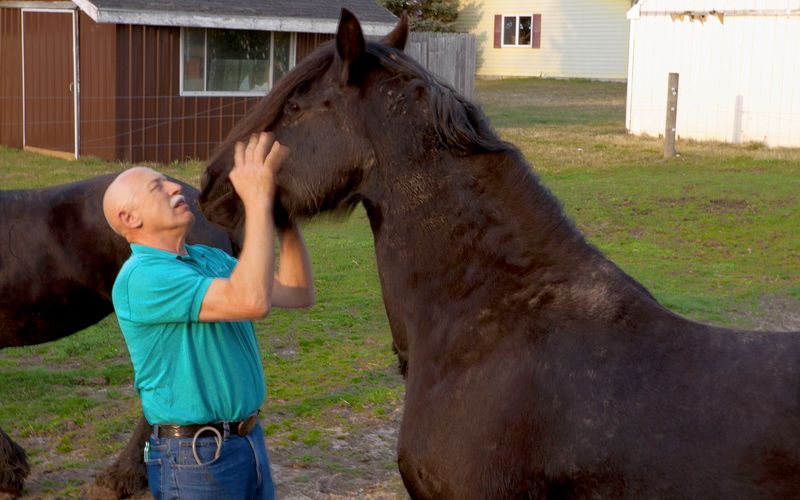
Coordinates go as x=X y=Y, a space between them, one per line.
x=738 y=67
x=147 y=80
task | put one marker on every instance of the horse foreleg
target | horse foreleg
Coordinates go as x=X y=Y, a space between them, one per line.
x=127 y=475
x=13 y=466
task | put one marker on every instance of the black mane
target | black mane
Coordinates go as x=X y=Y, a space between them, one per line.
x=461 y=125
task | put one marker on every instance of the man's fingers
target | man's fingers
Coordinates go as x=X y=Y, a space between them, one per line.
x=277 y=154
x=256 y=163
x=238 y=155
x=251 y=147
x=265 y=141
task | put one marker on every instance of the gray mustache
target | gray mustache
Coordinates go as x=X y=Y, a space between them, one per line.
x=173 y=202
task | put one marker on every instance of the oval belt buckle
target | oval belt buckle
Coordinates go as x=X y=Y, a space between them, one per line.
x=246 y=425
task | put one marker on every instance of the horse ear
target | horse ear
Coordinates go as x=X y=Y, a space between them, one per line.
x=399 y=35
x=350 y=43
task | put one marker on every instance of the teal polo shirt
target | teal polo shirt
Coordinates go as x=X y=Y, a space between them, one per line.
x=186 y=371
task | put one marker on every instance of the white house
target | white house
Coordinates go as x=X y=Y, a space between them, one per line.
x=548 y=38
x=738 y=63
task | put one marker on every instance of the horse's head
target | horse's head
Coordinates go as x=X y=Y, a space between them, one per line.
x=318 y=110
x=350 y=112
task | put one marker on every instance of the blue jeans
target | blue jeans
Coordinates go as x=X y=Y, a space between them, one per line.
x=240 y=471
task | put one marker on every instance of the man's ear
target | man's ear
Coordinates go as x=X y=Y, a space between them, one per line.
x=350 y=45
x=129 y=220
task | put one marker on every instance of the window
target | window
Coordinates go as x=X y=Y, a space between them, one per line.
x=517 y=31
x=233 y=62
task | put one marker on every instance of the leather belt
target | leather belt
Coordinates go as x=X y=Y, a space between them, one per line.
x=239 y=428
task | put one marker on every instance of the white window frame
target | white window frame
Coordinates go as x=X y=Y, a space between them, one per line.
x=235 y=93
x=516 y=30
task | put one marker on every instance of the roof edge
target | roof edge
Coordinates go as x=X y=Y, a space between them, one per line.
x=193 y=20
x=648 y=8
x=87 y=7
x=38 y=5
x=634 y=12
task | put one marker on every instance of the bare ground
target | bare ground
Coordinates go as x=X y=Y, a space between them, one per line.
x=358 y=465
x=775 y=312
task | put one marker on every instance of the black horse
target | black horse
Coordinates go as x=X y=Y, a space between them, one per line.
x=534 y=366
x=58 y=262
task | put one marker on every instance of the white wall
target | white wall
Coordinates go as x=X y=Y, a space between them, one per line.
x=739 y=74
x=580 y=38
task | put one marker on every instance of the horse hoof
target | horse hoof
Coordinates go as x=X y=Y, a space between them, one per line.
x=117 y=482
x=9 y=491
x=97 y=492
x=14 y=467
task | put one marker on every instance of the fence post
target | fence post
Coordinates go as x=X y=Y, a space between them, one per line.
x=672 y=115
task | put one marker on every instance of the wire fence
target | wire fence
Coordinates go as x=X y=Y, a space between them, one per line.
x=143 y=121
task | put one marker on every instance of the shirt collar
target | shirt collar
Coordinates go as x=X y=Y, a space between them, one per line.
x=138 y=249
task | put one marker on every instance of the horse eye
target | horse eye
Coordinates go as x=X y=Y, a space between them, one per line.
x=291 y=108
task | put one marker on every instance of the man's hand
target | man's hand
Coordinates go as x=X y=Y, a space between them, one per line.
x=248 y=292
x=254 y=170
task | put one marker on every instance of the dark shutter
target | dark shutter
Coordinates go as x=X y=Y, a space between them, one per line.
x=498 y=30
x=536 y=31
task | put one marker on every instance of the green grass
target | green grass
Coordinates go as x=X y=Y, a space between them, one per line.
x=709 y=233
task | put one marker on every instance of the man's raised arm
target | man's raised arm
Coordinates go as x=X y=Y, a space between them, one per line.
x=247 y=294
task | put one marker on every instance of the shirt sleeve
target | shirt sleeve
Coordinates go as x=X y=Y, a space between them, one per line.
x=174 y=297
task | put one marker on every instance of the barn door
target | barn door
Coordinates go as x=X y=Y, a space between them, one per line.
x=49 y=87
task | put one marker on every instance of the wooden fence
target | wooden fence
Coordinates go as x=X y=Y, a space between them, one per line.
x=451 y=56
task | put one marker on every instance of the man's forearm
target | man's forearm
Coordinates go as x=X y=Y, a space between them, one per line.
x=252 y=277
x=295 y=283
x=248 y=292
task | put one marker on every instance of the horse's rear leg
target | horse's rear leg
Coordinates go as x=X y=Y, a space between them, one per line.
x=13 y=466
x=127 y=475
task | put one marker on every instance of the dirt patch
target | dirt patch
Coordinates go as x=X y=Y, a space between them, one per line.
x=360 y=464
x=776 y=312
x=675 y=202
x=727 y=206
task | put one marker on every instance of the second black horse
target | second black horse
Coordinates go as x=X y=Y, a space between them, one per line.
x=58 y=262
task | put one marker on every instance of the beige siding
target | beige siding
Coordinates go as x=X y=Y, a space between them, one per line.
x=739 y=74
x=580 y=38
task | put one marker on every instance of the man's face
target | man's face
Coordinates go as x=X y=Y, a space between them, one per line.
x=160 y=203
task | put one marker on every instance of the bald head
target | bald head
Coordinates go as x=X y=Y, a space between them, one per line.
x=120 y=198
x=147 y=208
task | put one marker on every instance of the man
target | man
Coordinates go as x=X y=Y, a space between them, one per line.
x=182 y=308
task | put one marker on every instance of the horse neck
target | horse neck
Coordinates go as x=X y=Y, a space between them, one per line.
x=444 y=212
x=455 y=234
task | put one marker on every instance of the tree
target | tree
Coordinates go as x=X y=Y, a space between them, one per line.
x=426 y=15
